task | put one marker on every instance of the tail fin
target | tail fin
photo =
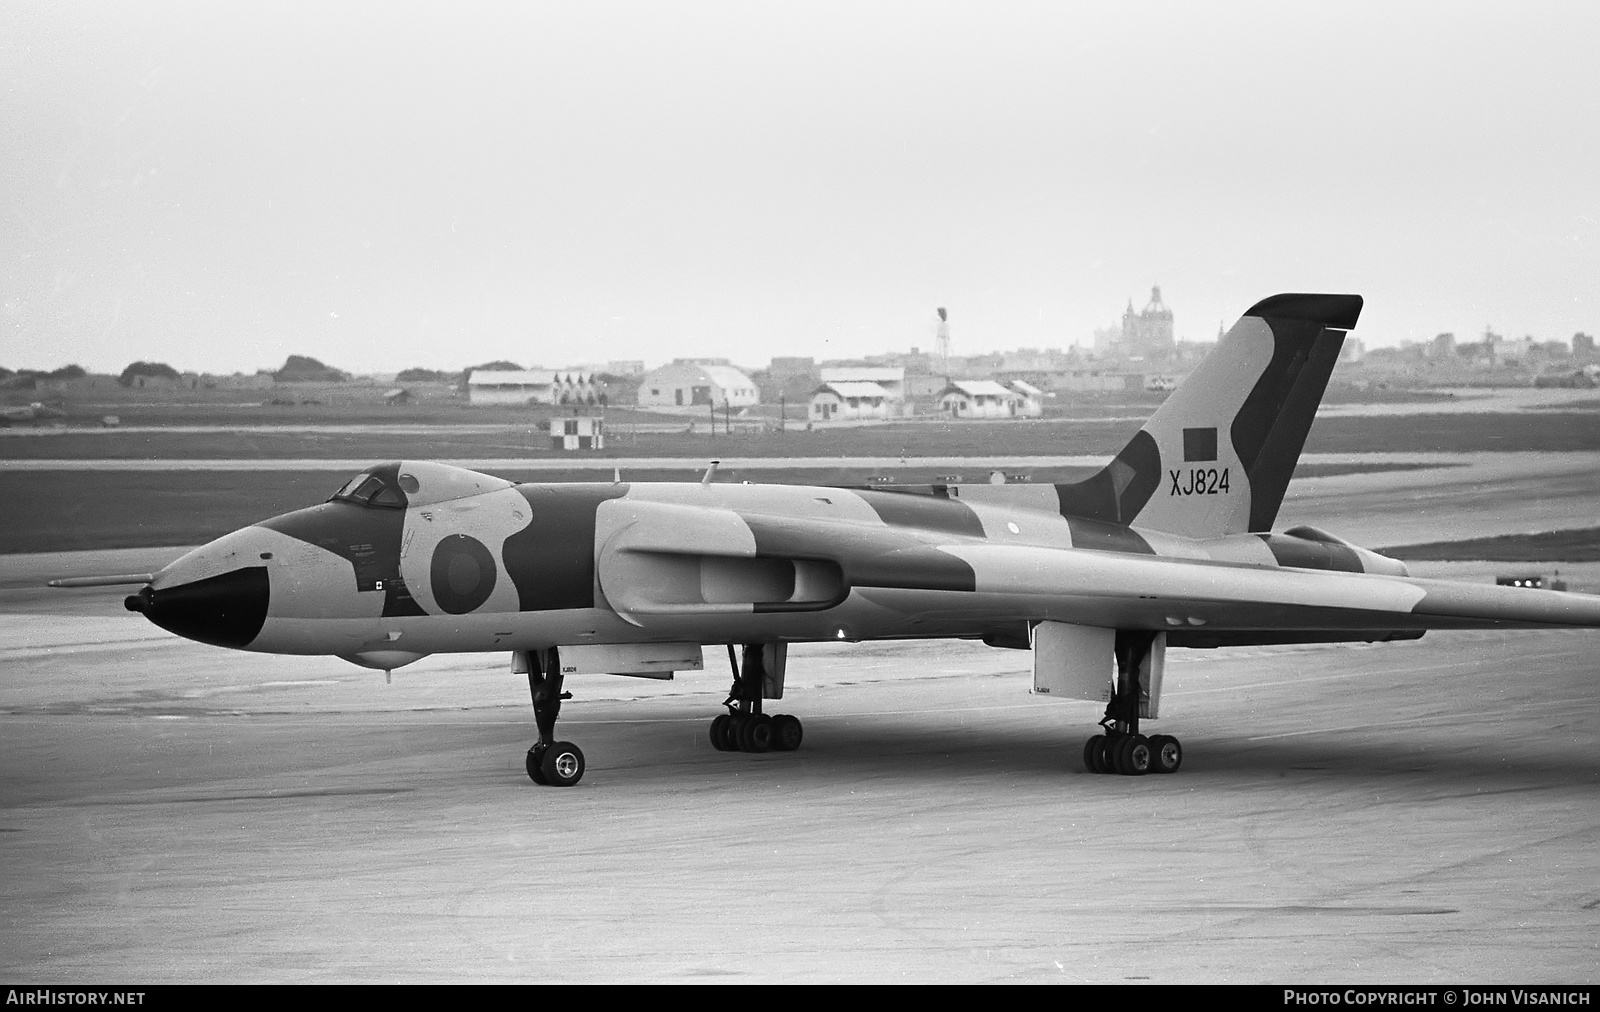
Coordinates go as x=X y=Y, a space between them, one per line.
x=1216 y=457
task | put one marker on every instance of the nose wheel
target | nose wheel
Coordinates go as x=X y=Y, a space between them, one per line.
x=549 y=763
x=557 y=765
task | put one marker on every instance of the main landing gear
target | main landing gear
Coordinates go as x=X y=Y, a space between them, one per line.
x=744 y=728
x=1122 y=749
x=550 y=762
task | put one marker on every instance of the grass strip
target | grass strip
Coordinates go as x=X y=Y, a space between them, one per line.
x=1577 y=545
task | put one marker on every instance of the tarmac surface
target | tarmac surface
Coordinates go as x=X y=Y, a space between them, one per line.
x=1425 y=811
x=1414 y=812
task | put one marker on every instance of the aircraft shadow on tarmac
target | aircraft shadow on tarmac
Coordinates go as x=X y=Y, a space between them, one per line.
x=1454 y=764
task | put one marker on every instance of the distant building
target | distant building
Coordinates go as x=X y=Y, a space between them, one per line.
x=892 y=379
x=1508 y=350
x=623 y=367
x=1090 y=381
x=1106 y=338
x=978 y=399
x=1031 y=398
x=847 y=400
x=1147 y=333
x=685 y=383
x=784 y=366
x=1033 y=360
x=530 y=386
x=924 y=385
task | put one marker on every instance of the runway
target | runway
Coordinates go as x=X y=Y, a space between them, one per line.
x=1408 y=812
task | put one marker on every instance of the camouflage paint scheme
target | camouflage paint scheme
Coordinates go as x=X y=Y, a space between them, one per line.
x=415 y=558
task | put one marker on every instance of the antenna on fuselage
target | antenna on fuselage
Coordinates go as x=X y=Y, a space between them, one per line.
x=710 y=471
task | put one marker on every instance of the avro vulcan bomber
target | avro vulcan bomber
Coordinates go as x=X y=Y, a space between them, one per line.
x=1169 y=545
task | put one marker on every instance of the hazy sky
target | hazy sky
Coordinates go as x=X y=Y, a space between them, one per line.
x=387 y=185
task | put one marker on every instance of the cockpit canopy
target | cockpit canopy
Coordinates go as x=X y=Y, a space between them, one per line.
x=403 y=483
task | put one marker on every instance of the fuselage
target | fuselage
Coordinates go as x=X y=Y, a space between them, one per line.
x=414 y=558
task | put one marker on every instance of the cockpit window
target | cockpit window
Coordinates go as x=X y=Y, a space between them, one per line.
x=387 y=496
x=399 y=484
x=349 y=487
x=374 y=487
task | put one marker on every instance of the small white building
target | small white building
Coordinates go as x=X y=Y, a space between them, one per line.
x=978 y=399
x=1030 y=403
x=530 y=386
x=891 y=378
x=842 y=400
x=579 y=433
x=683 y=384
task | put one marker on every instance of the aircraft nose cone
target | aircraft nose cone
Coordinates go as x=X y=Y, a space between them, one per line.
x=226 y=610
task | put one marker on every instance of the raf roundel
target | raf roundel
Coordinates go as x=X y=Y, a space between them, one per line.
x=463 y=574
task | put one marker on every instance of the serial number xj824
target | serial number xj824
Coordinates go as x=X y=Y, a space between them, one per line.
x=1097 y=577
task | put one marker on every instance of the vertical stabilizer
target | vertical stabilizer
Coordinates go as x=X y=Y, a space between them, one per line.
x=1216 y=457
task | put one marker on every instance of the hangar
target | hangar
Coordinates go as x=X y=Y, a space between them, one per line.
x=682 y=384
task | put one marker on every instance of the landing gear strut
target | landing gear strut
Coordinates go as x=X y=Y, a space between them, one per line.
x=550 y=762
x=1122 y=749
x=744 y=728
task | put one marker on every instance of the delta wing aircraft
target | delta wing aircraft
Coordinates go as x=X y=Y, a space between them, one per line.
x=1169 y=545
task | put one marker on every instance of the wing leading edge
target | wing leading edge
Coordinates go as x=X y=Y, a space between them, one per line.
x=1152 y=592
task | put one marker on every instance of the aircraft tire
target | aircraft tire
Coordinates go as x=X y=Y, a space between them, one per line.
x=1166 y=754
x=787 y=732
x=731 y=732
x=1092 y=748
x=1132 y=756
x=562 y=764
x=1103 y=755
x=755 y=733
x=1114 y=754
x=535 y=773
x=719 y=732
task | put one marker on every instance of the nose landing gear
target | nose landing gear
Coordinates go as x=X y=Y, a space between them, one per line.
x=550 y=763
